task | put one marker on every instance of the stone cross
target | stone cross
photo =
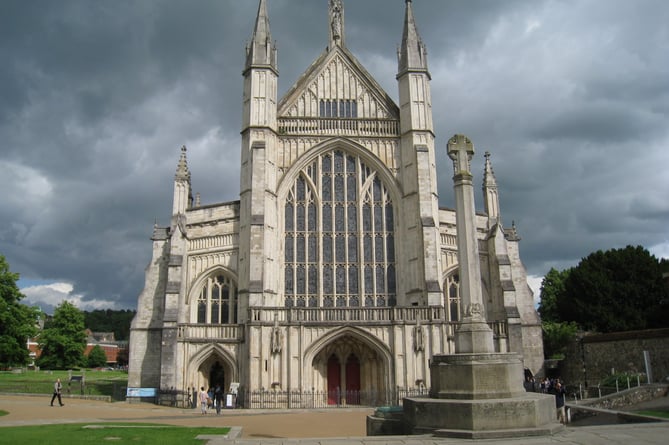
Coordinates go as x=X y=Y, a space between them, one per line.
x=474 y=335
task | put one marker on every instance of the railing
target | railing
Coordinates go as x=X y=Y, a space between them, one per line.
x=299 y=399
x=339 y=126
x=348 y=314
x=194 y=332
x=326 y=316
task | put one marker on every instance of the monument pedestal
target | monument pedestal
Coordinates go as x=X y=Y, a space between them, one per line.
x=480 y=395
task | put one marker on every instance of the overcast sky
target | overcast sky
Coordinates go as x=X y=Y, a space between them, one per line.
x=571 y=97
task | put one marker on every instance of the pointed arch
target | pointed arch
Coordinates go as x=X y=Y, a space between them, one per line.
x=347 y=145
x=351 y=366
x=215 y=350
x=201 y=364
x=339 y=218
x=372 y=342
x=213 y=297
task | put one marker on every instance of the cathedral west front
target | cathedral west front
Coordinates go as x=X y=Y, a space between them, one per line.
x=334 y=278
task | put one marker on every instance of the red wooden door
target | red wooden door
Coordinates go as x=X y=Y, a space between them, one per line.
x=334 y=380
x=352 y=380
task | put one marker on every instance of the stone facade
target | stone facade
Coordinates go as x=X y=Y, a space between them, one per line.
x=336 y=270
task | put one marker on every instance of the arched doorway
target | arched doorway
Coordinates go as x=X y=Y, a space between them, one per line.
x=334 y=380
x=352 y=380
x=217 y=376
x=213 y=368
x=351 y=372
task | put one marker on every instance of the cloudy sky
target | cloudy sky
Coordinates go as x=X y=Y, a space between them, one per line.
x=571 y=97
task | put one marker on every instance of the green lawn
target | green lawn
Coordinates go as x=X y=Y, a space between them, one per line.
x=97 y=383
x=73 y=434
x=663 y=414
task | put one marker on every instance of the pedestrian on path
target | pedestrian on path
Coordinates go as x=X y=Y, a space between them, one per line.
x=57 y=389
x=204 y=397
x=218 y=398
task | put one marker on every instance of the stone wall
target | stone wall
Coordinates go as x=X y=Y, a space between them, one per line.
x=593 y=357
x=629 y=397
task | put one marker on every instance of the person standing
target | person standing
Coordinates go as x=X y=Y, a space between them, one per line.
x=203 y=400
x=218 y=398
x=560 y=392
x=57 y=389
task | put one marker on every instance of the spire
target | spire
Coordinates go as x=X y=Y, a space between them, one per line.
x=336 y=15
x=412 y=55
x=183 y=198
x=182 y=167
x=261 y=51
x=490 y=193
x=488 y=173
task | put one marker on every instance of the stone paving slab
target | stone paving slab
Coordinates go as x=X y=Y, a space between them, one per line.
x=296 y=427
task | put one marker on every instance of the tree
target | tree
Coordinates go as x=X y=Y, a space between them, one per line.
x=552 y=289
x=557 y=336
x=616 y=290
x=97 y=357
x=109 y=320
x=18 y=322
x=63 y=340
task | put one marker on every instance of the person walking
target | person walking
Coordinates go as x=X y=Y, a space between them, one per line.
x=203 y=400
x=57 y=389
x=218 y=398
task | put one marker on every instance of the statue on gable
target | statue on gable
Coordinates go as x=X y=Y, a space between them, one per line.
x=335 y=14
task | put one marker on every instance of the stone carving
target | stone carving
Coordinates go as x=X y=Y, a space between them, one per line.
x=475 y=311
x=335 y=14
x=418 y=337
x=277 y=338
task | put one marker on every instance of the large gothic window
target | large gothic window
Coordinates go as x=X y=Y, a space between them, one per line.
x=339 y=246
x=217 y=301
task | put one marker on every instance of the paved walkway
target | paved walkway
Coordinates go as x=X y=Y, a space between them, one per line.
x=295 y=427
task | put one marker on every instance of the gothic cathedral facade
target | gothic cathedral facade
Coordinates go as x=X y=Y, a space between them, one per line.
x=336 y=270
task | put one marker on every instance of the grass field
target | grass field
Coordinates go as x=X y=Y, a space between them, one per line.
x=663 y=414
x=74 y=434
x=97 y=383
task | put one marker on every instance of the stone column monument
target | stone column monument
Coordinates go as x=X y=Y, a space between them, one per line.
x=476 y=392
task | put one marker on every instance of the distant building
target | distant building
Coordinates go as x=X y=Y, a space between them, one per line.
x=336 y=271
x=105 y=340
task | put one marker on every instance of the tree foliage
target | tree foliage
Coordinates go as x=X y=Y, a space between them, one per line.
x=616 y=290
x=97 y=357
x=63 y=339
x=18 y=322
x=109 y=320
x=552 y=289
x=557 y=336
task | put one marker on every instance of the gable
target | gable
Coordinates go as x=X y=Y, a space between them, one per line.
x=336 y=85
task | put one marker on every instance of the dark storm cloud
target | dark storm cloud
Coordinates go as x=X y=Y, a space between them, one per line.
x=96 y=97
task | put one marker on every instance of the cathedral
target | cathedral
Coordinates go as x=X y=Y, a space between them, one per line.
x=335 y=275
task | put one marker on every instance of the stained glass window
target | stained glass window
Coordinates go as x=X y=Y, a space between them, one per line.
x=339 y=244
x=289 y=254
x=217 y=301
x=289 y=217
